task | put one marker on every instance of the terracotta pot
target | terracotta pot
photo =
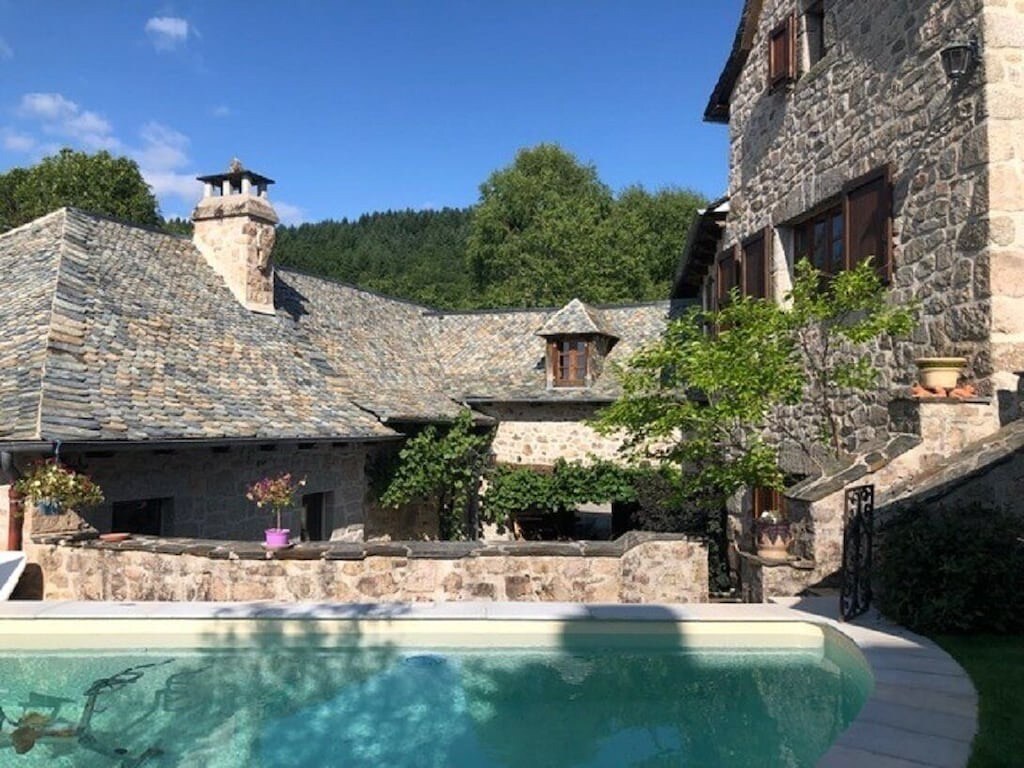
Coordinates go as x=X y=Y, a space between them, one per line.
x=773 y=540
x=940 y=372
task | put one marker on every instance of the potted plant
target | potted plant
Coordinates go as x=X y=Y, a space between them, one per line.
x=278 y=493
x=54 y=488
x=773 y=536
x=940 y=372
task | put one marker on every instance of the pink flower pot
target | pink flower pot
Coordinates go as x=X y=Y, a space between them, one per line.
x=277 y=538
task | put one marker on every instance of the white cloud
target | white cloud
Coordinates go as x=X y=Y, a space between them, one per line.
x=167 y=32
x=288 y=213
x=161 y=152
x=6 y=52
x=46 y=106
x=221 y=110
x=19 y=142
x=169 y=184
x=162 y=148
x=59 y=116
x=162 y=159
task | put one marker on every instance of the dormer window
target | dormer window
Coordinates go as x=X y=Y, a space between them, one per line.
x=568 y=359
x=577 y=342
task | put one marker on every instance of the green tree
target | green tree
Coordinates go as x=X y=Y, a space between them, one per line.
x=442 y=468
x=653 y=227
x=538 y=237
x=178 y=226
x=99 y=183
x=712 y=403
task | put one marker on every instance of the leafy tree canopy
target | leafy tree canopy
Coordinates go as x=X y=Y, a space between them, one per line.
x=713 y=403
x=546 y=229
x=99 y=183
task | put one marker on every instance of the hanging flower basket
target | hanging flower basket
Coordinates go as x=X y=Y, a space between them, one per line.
x=54 y=488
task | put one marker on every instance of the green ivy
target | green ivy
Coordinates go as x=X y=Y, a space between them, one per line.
x=442 y=468
x=565 y=487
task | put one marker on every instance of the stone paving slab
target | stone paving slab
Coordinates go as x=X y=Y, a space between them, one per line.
x=922 y=712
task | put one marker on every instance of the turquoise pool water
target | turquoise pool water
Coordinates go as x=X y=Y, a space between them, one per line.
x=595 y=704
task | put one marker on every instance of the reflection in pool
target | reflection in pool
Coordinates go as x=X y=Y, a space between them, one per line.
x=599 y=704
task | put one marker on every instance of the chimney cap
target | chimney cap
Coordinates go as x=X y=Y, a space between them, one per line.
x=234 y=175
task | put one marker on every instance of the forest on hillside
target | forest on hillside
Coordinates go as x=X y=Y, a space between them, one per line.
x=416 y=255
x=546 y=229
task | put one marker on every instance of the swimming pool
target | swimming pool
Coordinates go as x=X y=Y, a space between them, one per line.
x=245 y=692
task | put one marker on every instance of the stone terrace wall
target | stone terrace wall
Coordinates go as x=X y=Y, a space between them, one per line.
x=540 y=433
x=637 y=568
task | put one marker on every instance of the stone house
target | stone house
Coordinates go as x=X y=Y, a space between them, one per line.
x=848 y=140
x=177 y=371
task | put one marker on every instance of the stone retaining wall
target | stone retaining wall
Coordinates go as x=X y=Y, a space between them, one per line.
x=637 y=568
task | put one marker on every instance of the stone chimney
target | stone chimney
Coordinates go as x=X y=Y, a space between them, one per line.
x=234 y=230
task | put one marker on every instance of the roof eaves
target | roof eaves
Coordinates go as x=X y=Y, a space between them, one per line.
x=717 y=110
x=705 y=224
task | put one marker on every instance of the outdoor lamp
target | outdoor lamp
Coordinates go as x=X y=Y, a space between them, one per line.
x=959 y=57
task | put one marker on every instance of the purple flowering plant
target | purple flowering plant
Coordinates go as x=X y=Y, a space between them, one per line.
x=278 y=493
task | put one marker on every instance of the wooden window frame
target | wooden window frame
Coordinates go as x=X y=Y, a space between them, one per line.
x=556 y=357
x=765 y=236
x=780 y=73
x=827 y=210
x=823 y=213
x=814 y=27
x=764 y=499
x=883 y=262
x=736 y=280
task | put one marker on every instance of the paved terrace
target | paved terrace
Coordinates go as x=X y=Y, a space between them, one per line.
x=922 y=712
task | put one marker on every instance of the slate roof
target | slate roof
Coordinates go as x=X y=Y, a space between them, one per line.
x=497 y=356
x=113 y=332
x=575 y=318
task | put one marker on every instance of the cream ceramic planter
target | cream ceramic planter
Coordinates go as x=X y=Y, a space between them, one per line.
x=940 y=372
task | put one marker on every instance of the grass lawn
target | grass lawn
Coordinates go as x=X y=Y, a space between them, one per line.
x=996 y=665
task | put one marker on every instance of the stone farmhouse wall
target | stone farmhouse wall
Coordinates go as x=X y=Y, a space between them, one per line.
x=639 y=568
x=940 y=448
x=1003 y=40
x=541 y=433
x=879 y=96
x=208 y=485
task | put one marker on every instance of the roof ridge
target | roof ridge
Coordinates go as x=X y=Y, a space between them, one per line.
x=35 y=221
x=62 y=239
x=369 y=292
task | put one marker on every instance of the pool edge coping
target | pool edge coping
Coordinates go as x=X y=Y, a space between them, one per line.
x=921 y=712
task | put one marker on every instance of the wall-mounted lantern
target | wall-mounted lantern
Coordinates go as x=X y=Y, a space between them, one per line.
x=960 y=57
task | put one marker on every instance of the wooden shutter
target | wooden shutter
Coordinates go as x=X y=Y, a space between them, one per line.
x=869 y=222
x=728 y=276
x=755 y=267
x=782 y=53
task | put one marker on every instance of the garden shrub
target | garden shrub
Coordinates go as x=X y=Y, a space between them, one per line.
x=953 y=569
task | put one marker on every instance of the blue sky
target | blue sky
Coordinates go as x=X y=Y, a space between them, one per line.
x=362 y=106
